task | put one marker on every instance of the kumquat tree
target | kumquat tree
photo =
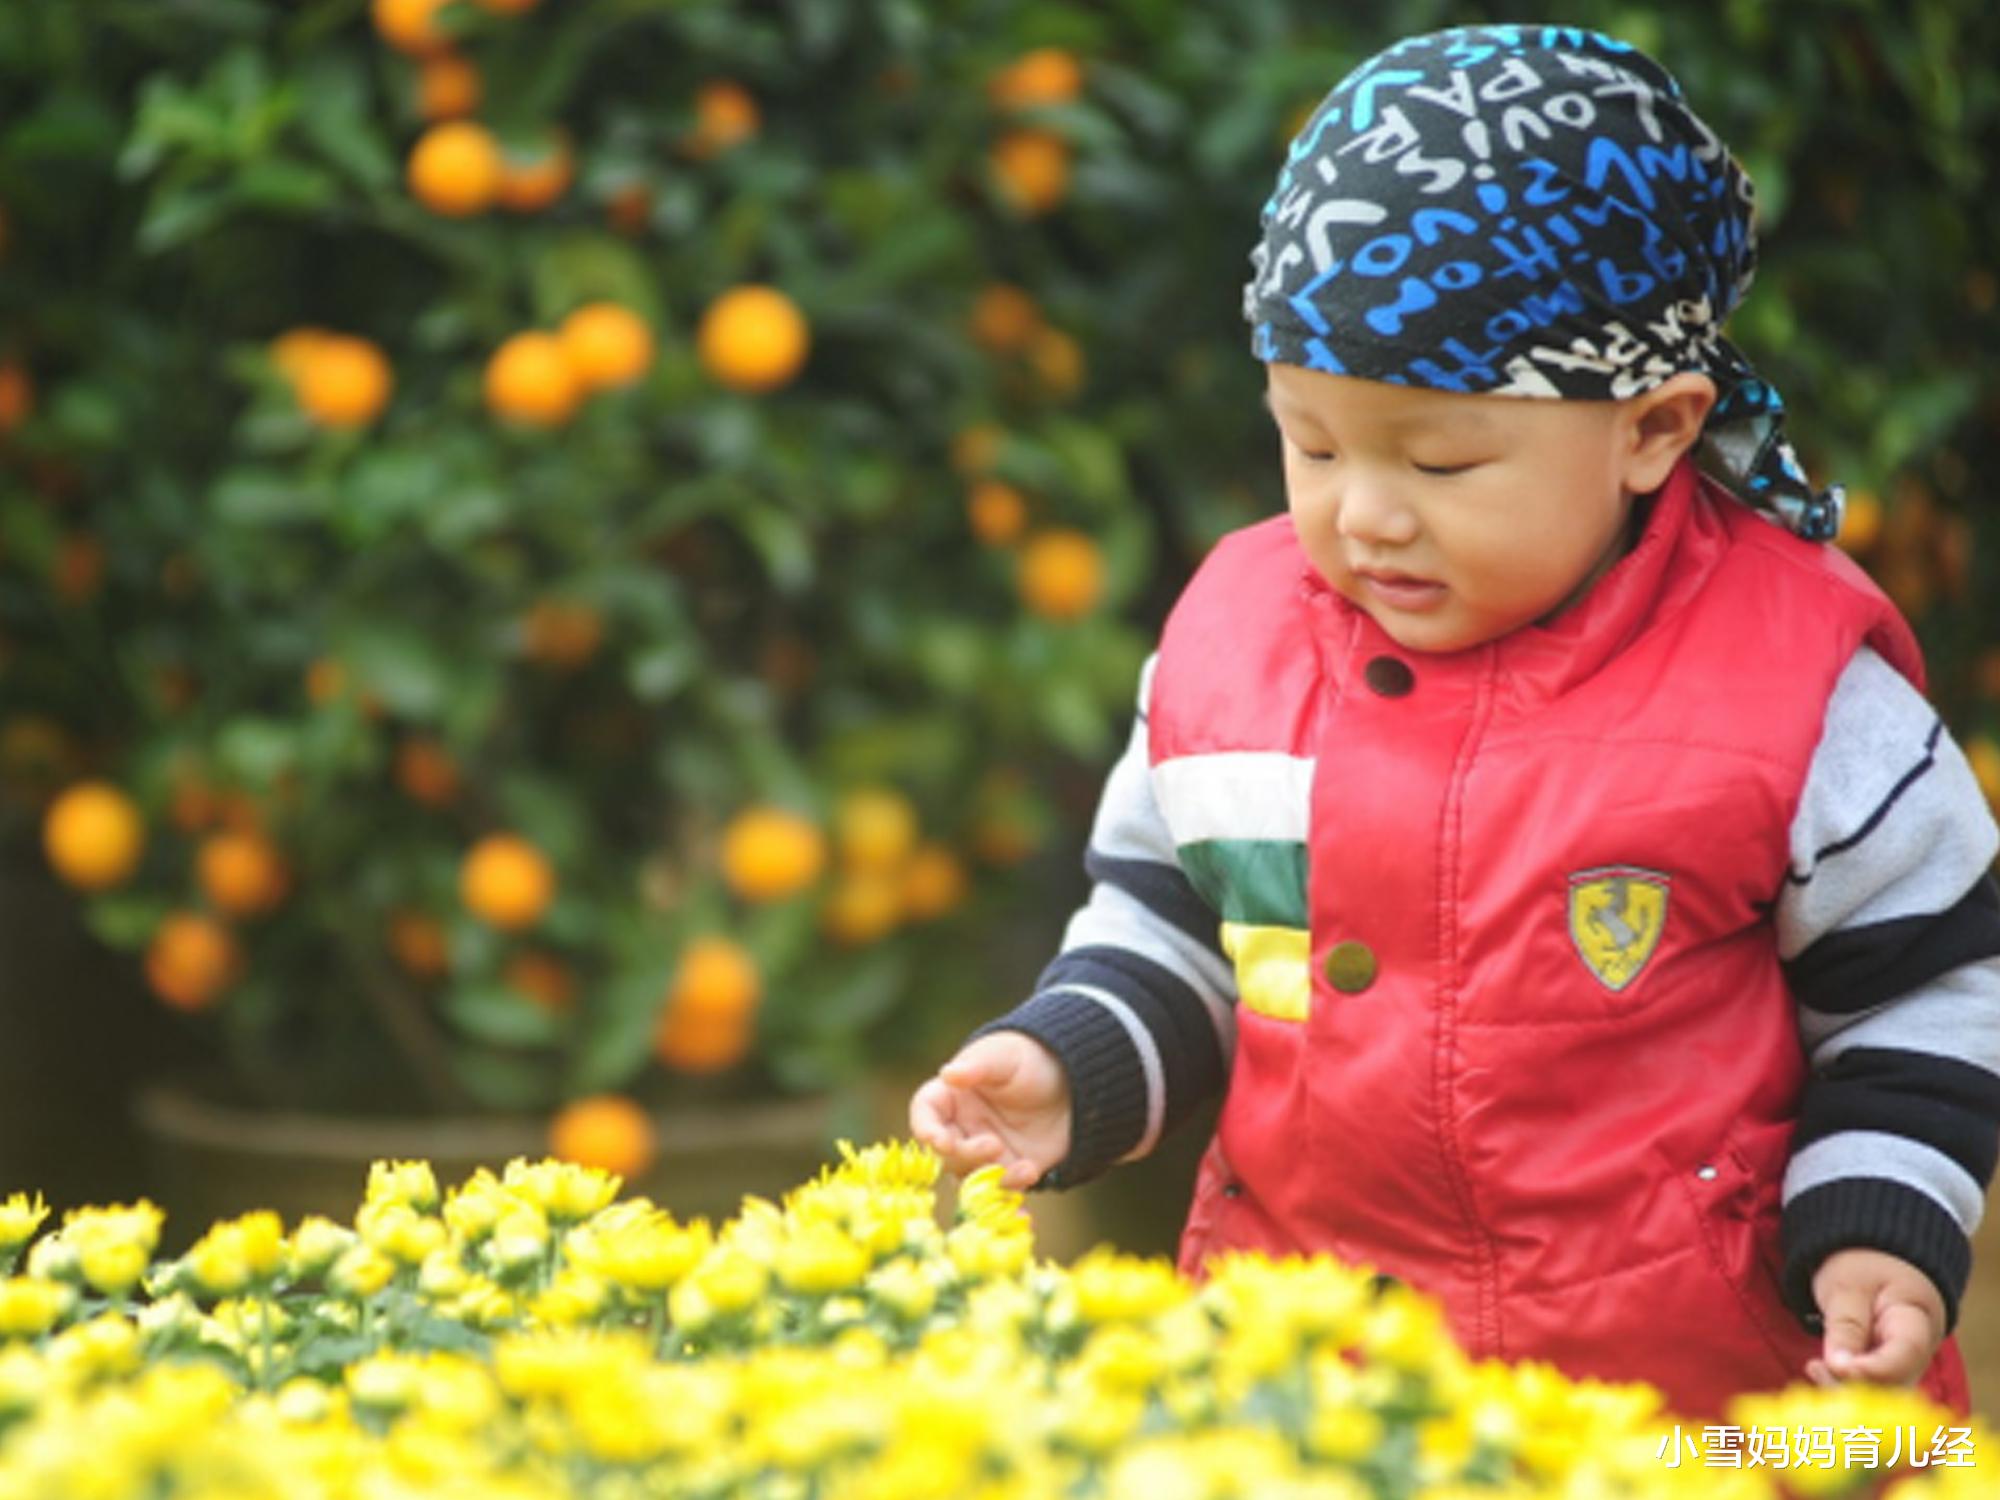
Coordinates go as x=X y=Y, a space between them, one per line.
x=531 y=571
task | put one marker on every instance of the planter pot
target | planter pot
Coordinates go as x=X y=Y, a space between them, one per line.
x=209 y=1160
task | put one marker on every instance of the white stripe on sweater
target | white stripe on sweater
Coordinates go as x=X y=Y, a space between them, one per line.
x=1237 y=794
x=1149 y=1060
x=1956 y=1015
x=1922 y=853
x=1874 y=1153
x=1116 y=918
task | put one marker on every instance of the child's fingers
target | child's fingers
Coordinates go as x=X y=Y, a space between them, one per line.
x=982 y=1067
x=935 y=1120
x=932 y=1113
x=1901 y=1351
x=984 y=1148
x=1021 y=1175
x=1850 y=1326
x=1819 y=1374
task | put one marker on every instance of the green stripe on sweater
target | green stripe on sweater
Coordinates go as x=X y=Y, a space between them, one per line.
x=1255 y=882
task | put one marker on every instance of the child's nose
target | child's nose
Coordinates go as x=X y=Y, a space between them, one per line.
x=1371 y=511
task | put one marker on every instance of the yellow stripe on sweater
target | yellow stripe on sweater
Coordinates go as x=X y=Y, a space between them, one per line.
x=1273 y=968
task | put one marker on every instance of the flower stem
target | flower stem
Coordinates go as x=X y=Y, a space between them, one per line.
x=266 y=1311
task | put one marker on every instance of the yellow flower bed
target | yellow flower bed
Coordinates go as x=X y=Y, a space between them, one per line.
x=530 y=1335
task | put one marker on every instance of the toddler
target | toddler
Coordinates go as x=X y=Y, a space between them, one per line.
x=1539 y=835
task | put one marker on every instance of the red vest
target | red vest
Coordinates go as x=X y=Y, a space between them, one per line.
x=1542 y=1063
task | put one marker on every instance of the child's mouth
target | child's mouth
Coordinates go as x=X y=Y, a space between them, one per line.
x=1400 y=590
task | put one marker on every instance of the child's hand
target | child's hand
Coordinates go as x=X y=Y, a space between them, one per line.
x=1004 y=1098
x=1884 y=1319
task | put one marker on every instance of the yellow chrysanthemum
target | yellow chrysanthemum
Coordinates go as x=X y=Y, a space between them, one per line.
x=360 y=1273
x=638 y=1248
x=24 y=1382
x=399 y=1231
x=20 y=1217
x=31 y=1305
x=411 y=1183
x=565 y=1192
x=905 y=1287
x=474 y=1209
x=315 y=1245
x=728 y=1281
x=820 y=1258
x=104 y=1347
x=574 y=1297
x=1112 y=1288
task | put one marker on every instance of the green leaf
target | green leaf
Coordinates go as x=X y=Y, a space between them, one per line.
x=478 y=692
x=257 y=751
x=407 y=667
x=504 y=1080
x=126 y=919
x=855 y=1000
x=551 y=812
x=593 y=267
x=169 y=118
x=288 y=186
x=614 y=1047
x=425 y=1330
x=328 y=1355
x=334 y=116
x=175 y=216
x=1075 y=719
x=264 y=497
x=87 y=415
x=783 y=543
x=1093 y=463
x=782 y=935
x=68 y=126
x=951 y=654
x=499 y=1017
x=385 y=487
x=466 y=514
x=656 y=672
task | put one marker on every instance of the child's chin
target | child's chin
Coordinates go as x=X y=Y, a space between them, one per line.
x=1434 y=631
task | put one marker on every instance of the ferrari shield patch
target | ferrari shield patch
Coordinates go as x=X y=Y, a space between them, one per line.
x=1615 y=918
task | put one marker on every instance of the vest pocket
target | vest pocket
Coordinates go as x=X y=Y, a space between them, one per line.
x=1215 y=1192
x=1734 y=1214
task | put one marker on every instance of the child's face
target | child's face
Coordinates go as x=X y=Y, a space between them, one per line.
x=1453 y=519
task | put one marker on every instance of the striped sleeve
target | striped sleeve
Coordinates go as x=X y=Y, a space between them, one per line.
x=1139 y=1003
x=1889 y=929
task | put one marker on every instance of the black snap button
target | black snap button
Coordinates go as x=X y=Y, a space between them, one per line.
x=1350 y=967
x=1389 y=676
x=1232 y=1190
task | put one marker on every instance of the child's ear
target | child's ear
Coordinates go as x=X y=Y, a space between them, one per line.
x=1663 y=424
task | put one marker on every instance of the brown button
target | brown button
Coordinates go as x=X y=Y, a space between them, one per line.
x=1390 y=676
x=1350 y=967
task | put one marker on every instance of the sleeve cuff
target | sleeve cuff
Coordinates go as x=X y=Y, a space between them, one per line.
x=1875 y=1213
x=1107 y=1085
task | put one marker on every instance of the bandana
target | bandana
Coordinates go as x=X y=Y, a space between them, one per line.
x=1525 y=211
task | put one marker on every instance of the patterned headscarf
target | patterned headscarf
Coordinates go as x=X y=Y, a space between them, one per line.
x=1525 y=211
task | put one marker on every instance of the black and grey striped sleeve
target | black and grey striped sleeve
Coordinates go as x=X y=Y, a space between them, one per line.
x=1139 y=1004
x=1889 y=928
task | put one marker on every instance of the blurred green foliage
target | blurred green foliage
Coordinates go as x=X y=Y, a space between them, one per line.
x=793 y=604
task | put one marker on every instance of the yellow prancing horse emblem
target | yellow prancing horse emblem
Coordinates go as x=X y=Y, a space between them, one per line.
x=1615 y=917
